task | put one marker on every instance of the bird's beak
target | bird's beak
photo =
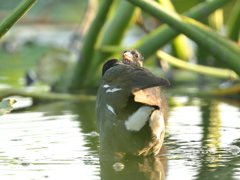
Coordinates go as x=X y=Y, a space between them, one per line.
x=128 y=56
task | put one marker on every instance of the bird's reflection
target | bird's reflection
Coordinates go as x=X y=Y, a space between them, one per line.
x=140 y=168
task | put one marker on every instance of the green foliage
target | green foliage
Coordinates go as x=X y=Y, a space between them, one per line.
x=215 y=21
x=114 y=19
x=113 y=30
x=180 y=43
x=164 y=34
x=6 y=106
x=233 y=22
x=206 y=70
x=224 y=49
x=104 y=41
x=86 y=55
x=15 y=15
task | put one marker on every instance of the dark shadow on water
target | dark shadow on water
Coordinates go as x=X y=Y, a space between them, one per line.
x=148 y=168
x=140 y=168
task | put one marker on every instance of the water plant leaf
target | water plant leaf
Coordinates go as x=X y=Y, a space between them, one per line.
x=15 y=15
x=180 y=46
x=164 y=34
x=115 y=29
x=112 y=34
x=6 y=106
x=45 y=95
x=233 y=24
x=209 y=71
x=222 y=48
x=87 y=51
x=215 y=21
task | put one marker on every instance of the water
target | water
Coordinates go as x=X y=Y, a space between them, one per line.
x=49 y=141
x=59 y=140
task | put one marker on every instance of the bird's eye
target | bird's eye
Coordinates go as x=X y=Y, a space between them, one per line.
x=136 y=55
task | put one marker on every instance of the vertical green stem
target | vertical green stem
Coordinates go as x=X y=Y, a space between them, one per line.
x=116 y=29
x=87 y=51
x=15 y=15
x=112 y=35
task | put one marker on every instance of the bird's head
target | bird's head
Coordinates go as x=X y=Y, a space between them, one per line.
x=109 y=64
x=133 y=58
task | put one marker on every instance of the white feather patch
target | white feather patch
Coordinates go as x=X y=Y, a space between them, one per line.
x=138 y=119
x=113 y=90
x=106 y=86
x=110 y=108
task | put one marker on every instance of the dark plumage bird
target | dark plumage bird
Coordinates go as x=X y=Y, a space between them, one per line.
x=130 y=109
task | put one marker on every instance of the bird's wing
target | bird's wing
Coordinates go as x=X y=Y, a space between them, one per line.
x=150 y=96
x=118 y=85
x=142 y=78
x=122 y=81
x=145 y=87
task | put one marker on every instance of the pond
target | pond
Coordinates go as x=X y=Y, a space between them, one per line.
x=59 y=140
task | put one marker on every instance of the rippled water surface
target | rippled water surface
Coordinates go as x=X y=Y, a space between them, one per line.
x=59 y=140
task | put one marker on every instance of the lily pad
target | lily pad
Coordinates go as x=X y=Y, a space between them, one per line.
x=6 y=106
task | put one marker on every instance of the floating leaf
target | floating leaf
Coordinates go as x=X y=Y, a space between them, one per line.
x=6 y=106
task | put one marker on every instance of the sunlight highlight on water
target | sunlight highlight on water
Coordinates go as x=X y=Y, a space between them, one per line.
x=59 y=140
x=34 y=145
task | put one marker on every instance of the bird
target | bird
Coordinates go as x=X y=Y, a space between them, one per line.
x=130 y=109
x=132 y=57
